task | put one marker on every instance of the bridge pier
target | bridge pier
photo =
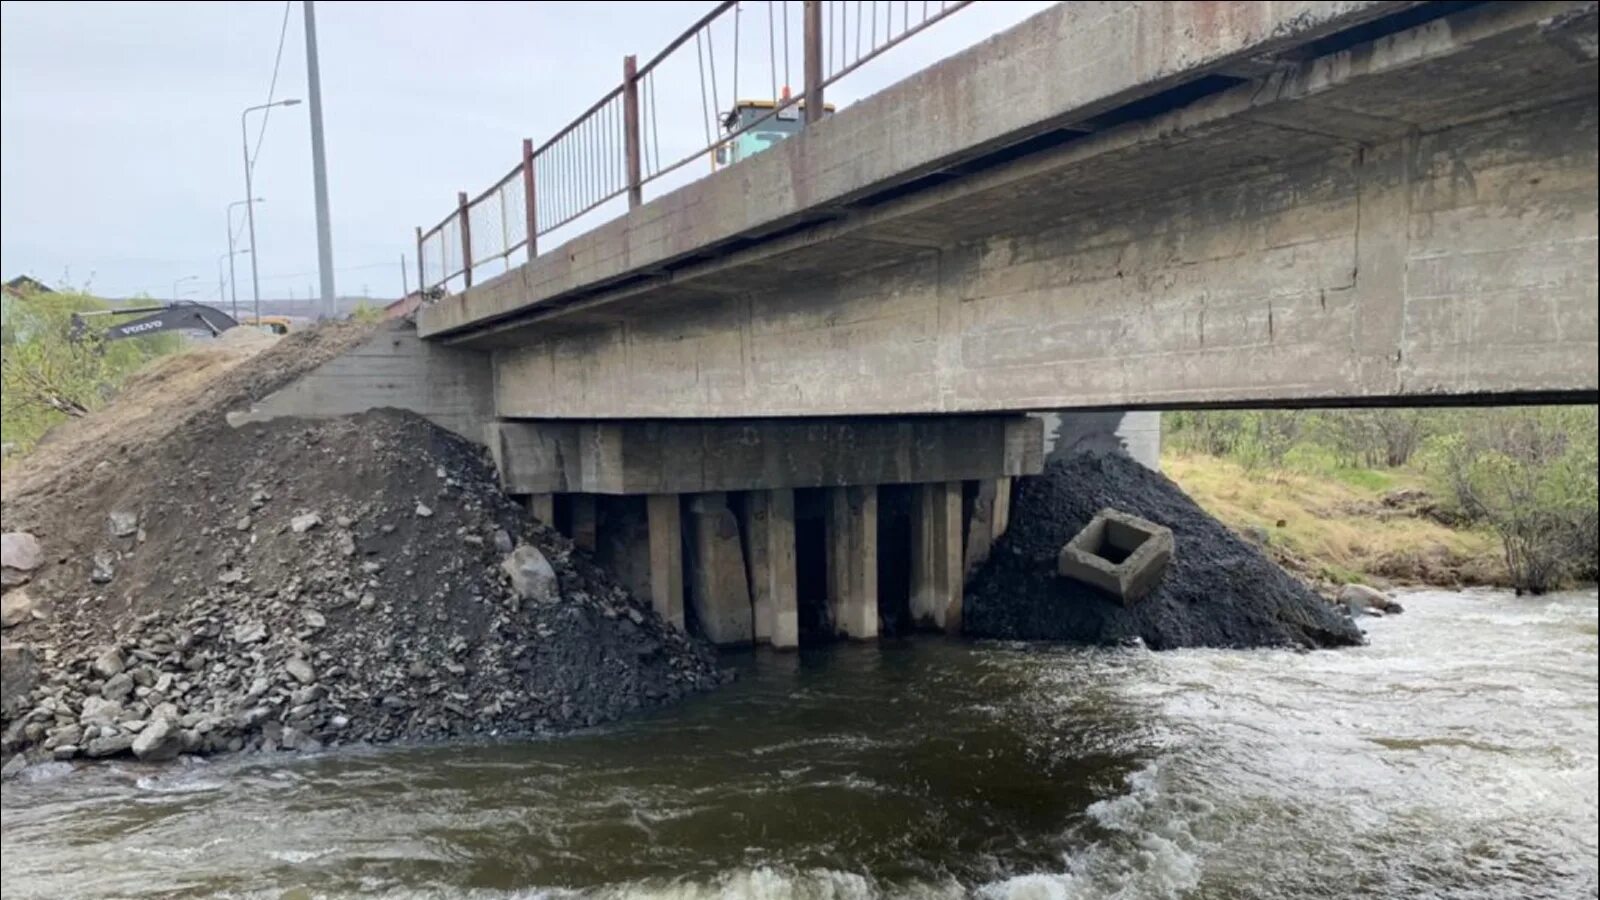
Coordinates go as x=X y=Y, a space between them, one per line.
x=773 y=581
x=936 y=557
x=665 y=525
x=853 y=561
x=718 y=586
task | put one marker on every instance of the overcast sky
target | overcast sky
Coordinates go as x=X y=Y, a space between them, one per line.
x=120 y=140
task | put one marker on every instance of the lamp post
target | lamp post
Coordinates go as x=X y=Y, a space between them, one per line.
x=233 y=281
x=221 y=295
x=181 y=281
x=249 y=192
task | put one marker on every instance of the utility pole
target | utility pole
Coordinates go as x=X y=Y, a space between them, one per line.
x=319 y=165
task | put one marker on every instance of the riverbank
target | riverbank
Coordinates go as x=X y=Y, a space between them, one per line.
x=1349 y=525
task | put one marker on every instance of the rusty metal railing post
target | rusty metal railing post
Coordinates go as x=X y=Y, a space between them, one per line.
x=630 y=129
x=422 y=273
x=530 y=197
x=466 y=237
x=813 y=60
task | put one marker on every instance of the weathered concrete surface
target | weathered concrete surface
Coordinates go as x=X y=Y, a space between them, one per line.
x=853 y=561
x=666 y=556
x=449 y=386
x=1065 y=65
x=718 y=585
x=937 y=570
x=694 y=457
x=773 y=585
x=1413 y=219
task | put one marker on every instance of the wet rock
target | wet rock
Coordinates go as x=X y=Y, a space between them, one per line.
x=64 y=752
x=159 y=740
x=13 y=767
x=109 y=745
x=423 y=511
x=16 y=607
x=19 y=673
x=108 y=663
x=20 y=550
x=531 y=575
x=122 y=523
x=304 y=522
x=1360 y=599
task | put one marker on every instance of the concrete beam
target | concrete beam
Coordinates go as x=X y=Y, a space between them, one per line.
x=936 y=560
x=720 y=593
x=666 y=557
x=703 y=456
x=1067 y=64
x=773 y=584
x=853 y=561
x=1211 y=254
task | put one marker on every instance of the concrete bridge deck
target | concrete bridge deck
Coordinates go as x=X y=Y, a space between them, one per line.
x=1113 y=205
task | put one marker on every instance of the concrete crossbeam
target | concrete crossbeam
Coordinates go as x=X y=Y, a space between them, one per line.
x=773 y=583
x=936 y=559
x=853 y=561
x=718 y=586
x=704 y=456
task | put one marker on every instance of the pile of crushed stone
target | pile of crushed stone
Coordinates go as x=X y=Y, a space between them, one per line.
x=1218 y=591
x=304 y=584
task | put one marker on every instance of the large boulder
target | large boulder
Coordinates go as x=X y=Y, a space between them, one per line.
x=19 y=672
x=20 y=554
x=16 y=607
x=1360 y=599
x=157 y=741
x=531 y=575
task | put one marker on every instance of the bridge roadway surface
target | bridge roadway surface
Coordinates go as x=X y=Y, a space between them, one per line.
x=1113 y=206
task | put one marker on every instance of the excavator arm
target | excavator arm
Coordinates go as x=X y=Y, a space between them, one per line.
x=174 y=317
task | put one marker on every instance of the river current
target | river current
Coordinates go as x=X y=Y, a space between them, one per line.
x=1452 y=757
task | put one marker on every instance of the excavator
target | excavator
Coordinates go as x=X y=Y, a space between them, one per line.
x=175 y=316
x=771 y=129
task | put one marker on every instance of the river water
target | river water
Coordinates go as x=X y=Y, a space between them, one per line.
x=1455 y=756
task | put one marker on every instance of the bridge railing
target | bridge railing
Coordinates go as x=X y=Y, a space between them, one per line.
x=617 y=146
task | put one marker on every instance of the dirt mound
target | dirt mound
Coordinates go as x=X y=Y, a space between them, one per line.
x=173 y=393
x=1218 y=590
x=296 y=584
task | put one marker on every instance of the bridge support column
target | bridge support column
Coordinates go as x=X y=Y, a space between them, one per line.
x=666 y=557
x=853 y=560
x=585 y=521
x=991 y=514
x=718 y=588
x=772 y=568
x=543 y=508
x=936 y=559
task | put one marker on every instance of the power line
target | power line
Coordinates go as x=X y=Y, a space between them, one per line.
x=272 y=87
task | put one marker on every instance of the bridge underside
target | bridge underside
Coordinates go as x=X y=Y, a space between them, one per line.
x=1408 y=220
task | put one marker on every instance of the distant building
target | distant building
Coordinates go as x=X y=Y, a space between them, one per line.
x=23 y=285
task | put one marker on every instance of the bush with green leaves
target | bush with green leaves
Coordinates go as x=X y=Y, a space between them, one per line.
x=46 y=376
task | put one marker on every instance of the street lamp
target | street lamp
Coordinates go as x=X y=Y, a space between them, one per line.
x=233 y=281
x=181 y=281
x=221 y=294
x=249 y=192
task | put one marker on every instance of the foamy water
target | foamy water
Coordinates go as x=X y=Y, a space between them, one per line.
x=1455 y=756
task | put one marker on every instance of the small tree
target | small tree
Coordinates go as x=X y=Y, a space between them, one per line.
x=1530 y=474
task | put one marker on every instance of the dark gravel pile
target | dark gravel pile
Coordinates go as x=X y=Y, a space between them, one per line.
x=1218 y=591
x=299 y=584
